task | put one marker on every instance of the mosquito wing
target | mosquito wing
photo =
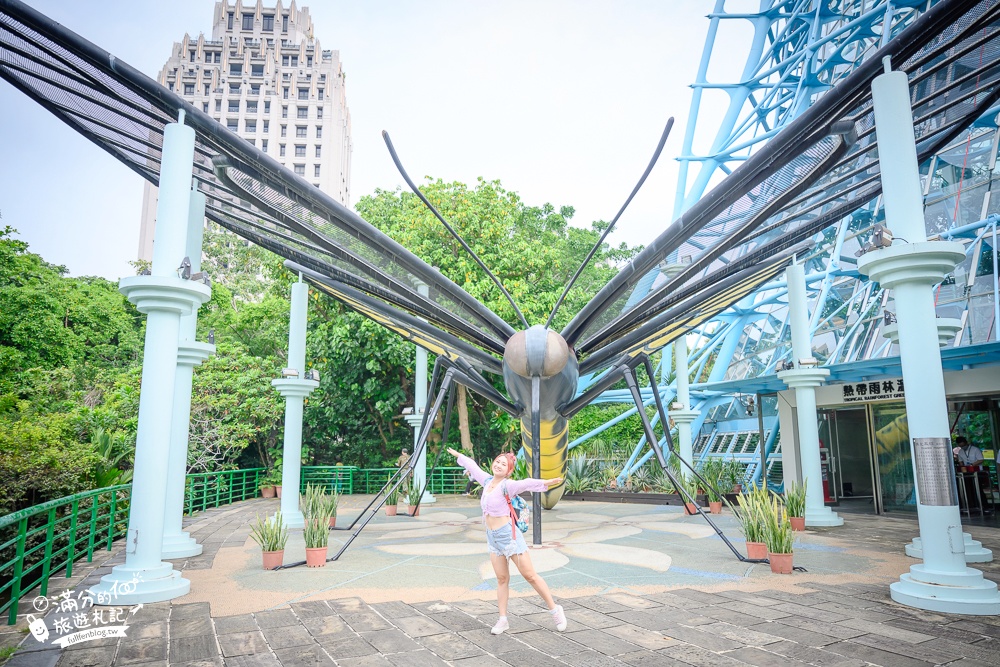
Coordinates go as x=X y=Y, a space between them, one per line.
x=821 y=167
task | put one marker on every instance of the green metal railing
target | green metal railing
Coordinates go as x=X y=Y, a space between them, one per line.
x=348 y=479
x=213 y=489
x=330 y=478
x=39 y=541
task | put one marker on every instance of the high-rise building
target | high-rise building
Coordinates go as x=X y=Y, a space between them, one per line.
x=264 y=75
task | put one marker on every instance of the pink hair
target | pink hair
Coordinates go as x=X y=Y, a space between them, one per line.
x=511 y=460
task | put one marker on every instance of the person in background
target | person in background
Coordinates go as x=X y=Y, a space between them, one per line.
x=967 y=454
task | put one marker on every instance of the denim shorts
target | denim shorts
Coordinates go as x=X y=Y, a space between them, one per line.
x=502 y=543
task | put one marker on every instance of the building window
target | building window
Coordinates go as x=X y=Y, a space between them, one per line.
x=300 y=131
x=300 y=150
x=295 y=61
x=284 y=61
x=316 y=171
x=302 y=112
x=208 y=59
x=192 y=55
x=284 y=130
x=319 y=93
x=234 y=89
x=256 y=70
x=319 y=112
x=300 y=170
x=234 y=106
x=318 y=150
x=269 y=22
x=189 y=89
x=218 y=57
x=284 y=23
x=208 y=87
x=235 y=69
x=251 y=126
x=263 y=145
x=303 y=93
x=248 y=21
x=204 y=107
x=232 y=124
x=252 y=108
x=309 y=61
x=281 y=150
x=284 y=93
x=229 y=23
x=284 y=112
x=218 y=105
x=267 y=107
x=267 y=126
x=319 y=131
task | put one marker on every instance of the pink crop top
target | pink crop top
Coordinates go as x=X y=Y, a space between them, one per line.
x=493 y=503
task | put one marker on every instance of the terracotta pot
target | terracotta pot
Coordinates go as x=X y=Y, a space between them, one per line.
x=390 y=510
x=277 y=490
x=267 y=491
x=798 y=522
x=414 y=510
x=333 y=521
x=715 y=507
x=272 y=559
x=780 y=563
x=316 y=557
x=738 y=488
x=690 y=508
x=756 y=550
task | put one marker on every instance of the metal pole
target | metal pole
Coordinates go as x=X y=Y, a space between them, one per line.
x=761 y=441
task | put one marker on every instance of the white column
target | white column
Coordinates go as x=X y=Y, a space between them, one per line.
x=419 y=404
x=680 y=412
x=190 y=353
x=975 y=552
x=804 y=378
x=910 y=267
x=164 y=297
x=294 y=390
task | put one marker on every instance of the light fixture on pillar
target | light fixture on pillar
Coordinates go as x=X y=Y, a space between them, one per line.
x=881 y=238
x=751 y=406
x=786 y=365
x=201 y=277
x=289 y=373
x=888 y=318
x=312 y=374
x=184 y=270
x=211 y=336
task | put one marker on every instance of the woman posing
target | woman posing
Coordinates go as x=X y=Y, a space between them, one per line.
x=502 y=536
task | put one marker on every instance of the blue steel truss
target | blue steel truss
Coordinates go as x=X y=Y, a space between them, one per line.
x=799 y=49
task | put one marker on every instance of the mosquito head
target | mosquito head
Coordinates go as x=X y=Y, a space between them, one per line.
x=537 y=351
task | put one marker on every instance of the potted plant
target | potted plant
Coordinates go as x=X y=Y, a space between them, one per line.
x=733 y=475
x=690 y=498
x=712 y=472
x=749 y=513
x=331 y=500
x=316 y=530
x=413 y=499
x=391 y=500
x=271 y=535
x=778 y=537
x=266 y=487
x=795 y=505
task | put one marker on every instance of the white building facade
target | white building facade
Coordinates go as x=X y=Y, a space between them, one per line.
x=265 y=76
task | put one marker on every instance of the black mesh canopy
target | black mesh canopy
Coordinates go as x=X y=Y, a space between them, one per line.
x=819 y=168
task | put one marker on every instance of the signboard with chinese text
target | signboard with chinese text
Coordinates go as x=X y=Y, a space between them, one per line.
x=873 y=390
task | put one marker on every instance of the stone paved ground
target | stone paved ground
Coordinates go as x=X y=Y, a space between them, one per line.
x=701 y=616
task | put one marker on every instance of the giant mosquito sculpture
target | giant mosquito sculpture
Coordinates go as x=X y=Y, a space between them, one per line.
x=821 y=167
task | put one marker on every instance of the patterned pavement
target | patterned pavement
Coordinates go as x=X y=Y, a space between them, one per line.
x=641 y=584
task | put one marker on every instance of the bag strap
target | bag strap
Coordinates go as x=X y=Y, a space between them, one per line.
x=510 y=506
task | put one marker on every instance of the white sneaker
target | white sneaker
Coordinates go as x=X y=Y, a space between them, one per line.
x=559 y=616
x=503 y=625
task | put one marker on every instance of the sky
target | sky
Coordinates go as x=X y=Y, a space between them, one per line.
x=563 y=101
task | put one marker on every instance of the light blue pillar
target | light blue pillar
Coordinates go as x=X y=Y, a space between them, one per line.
x=680 y=412
x=164 y=297
x=294 y=389
x=416 y=419
x=804 y=378
x=190 y=353
x=910 y=267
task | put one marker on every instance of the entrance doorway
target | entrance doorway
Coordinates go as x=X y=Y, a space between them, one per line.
x=848 y=470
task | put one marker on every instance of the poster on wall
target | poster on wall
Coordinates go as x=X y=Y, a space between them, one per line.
x=874 y=390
